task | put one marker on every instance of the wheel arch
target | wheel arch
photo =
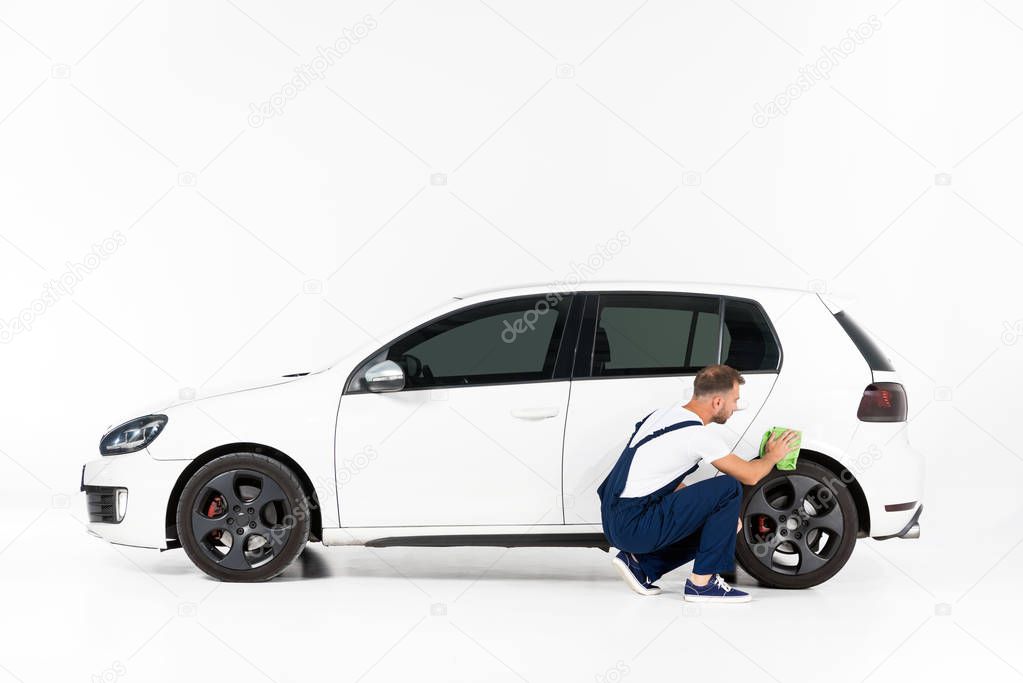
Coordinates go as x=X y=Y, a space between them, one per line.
x=316 y=521
x=849 y=479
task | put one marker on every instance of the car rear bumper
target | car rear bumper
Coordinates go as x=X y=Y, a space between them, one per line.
x=910 y=530
x=891 y=474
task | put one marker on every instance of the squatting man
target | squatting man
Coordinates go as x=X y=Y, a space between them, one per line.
x=656 y=523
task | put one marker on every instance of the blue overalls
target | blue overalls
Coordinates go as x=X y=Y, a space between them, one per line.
x=667 y=528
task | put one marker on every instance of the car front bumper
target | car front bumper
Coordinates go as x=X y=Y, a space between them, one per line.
x=126 y=497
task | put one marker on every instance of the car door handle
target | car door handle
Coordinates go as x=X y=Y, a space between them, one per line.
x=541 y=413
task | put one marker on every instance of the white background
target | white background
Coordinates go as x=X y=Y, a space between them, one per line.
x=466 y=144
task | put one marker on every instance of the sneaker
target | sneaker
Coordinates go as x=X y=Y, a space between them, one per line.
x=628 y=566
x=716 y=590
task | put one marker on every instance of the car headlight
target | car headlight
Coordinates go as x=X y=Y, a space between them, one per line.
x=133 y=435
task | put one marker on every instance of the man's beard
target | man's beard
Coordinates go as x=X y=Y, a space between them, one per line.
x=718 y=418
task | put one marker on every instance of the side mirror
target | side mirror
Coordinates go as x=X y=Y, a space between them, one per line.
x=385 y=376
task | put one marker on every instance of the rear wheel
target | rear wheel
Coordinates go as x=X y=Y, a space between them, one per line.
x=798 y=527
x=243 y=517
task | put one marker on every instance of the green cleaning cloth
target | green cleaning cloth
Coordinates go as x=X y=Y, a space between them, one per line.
x=789 y=461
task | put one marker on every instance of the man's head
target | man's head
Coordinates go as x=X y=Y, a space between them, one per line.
x=716 y=393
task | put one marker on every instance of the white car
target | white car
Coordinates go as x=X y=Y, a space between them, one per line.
x=492 y=419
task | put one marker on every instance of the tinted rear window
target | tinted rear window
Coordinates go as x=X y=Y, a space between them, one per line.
x=747 y=342
x=654 y=334
x=865 y=343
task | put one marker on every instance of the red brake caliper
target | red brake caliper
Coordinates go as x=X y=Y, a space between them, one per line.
x=213 y=510
x=762 y=524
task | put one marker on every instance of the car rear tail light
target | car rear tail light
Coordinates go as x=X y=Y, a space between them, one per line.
x=883 y=402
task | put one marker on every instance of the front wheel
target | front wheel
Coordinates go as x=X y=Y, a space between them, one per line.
x=243 y=517
x=798 y=527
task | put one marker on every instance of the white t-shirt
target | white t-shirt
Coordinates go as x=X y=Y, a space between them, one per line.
x=666 y=457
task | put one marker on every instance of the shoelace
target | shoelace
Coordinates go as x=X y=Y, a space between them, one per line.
x=721 y=583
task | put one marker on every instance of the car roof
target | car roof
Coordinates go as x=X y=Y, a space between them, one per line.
x=703 y=287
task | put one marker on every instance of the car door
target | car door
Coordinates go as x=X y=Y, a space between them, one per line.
x=639 y=351
x=475 y=435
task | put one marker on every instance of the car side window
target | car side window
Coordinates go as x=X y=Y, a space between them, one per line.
x=747 y=342
x=654 y=334
x=514 y=340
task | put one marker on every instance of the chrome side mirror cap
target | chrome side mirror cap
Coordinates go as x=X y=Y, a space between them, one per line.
x=385 y=376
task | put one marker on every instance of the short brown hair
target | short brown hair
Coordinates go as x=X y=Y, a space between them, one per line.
x=715 y=379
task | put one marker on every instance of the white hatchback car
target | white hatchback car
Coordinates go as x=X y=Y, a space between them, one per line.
x=492 y=419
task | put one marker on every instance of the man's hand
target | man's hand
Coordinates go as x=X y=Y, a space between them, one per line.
x=680 y=486
x=778 y=446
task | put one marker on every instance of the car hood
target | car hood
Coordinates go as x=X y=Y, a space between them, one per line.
x=191 y=395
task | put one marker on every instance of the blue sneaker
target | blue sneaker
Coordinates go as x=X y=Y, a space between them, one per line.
x=716 y=590
x=629 y=568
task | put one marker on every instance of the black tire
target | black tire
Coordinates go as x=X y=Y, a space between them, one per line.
x=257 y=503
x=785 y=550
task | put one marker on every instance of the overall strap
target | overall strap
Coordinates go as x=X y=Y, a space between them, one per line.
x=638 y=426
x=669 y=428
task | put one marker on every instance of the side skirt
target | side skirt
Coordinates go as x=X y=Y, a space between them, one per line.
x=588 y=536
